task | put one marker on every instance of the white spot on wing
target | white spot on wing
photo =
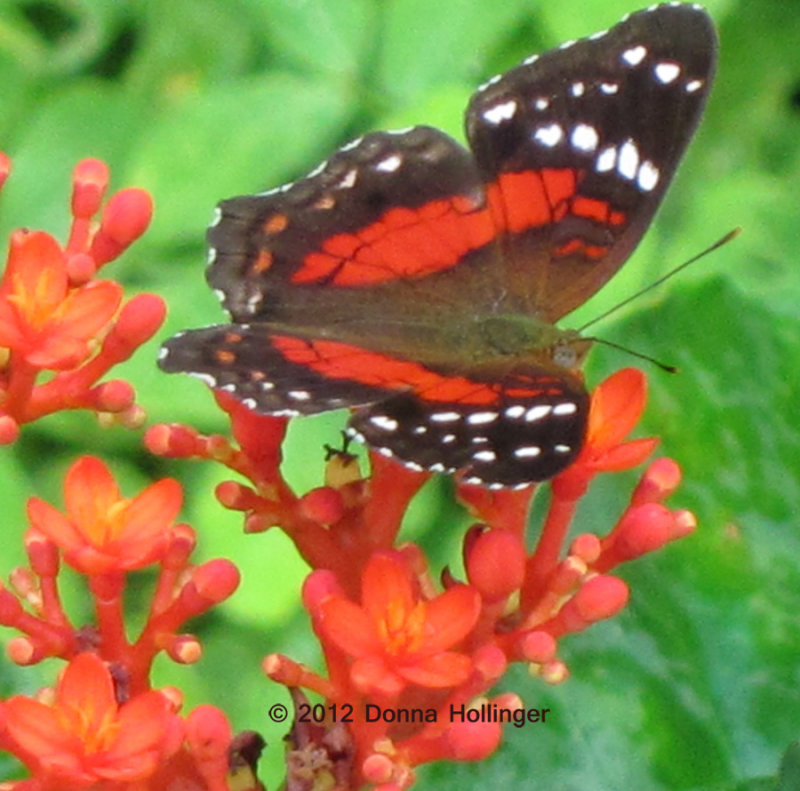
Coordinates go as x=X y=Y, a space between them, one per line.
x=253 y=301
x=628 y=160
x=693 y=86
x=317 y=170
x=484 y=455
x=542 y=103
x=527 y=451
x=352 y=144
x=537 y=412
x=445 y=417
x=210 y=380
x=481 y=418
x=500 y=112
x=390 y=164
x=648 y=176
x=584 y=137
x=666 y=72
x=550 y=135
x=609 y=88
x=634 y=55
x=299 y=395
x=565 y=408
x=349 y=179
x=491 y=81
x=606 y=160
x=384 y=422
x=577 y=88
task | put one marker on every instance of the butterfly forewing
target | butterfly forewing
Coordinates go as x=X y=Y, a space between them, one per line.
x=586 y=138
x=357 y=237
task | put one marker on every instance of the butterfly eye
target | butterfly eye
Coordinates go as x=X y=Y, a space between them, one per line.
x=565 y=356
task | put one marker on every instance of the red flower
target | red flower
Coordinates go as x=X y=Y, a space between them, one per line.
x=396 y=635
x=85 y=736
x=617 y=406
x=42 y=317
x=103 y=531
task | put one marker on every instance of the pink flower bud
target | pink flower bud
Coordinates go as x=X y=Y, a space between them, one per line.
x=89 y=179
x=324 y=505
x=496 y=564
x=125 y=219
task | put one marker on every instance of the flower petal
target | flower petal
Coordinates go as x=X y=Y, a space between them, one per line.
x=86 y=685
x=154 y=510
x=617 y=405
x=143 y=726
x=53 y=524
x=372 y=675
x=36 y=728
x=89 y=492
x=450 y=617
x=86 y=310
x=36 y=273
x=445 y=669
x=627 y=455
x=11 y=332
x=387 y=584
x=349 y=627
x=57 y=352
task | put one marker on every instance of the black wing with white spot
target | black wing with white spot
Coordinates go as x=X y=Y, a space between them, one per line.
x=511 y=442
x=617 y=110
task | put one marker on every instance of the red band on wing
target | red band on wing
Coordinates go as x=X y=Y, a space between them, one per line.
x=531 y=198
x=335 y=360
x=403 y=243
x=407 y=243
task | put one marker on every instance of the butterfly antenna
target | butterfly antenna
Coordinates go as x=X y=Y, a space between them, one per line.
x=724 y=240
x=670 y=369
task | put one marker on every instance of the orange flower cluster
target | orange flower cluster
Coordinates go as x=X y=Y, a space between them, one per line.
x=415 y=656
x=410 y=657
x=58 y=322
x=104 y=727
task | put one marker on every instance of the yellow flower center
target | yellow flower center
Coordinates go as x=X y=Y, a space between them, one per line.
x=96 y=731
x=108 y=526
x=402 y=630
x=34 y=305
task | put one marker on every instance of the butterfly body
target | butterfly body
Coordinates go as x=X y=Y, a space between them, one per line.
x=419 y=282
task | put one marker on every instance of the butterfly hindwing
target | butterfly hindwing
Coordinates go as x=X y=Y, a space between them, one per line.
x=506 y=440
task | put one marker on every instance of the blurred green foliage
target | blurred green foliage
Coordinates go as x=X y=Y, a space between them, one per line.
x=695 y=686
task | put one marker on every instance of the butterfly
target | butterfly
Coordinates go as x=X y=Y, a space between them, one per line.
x=418 y=282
